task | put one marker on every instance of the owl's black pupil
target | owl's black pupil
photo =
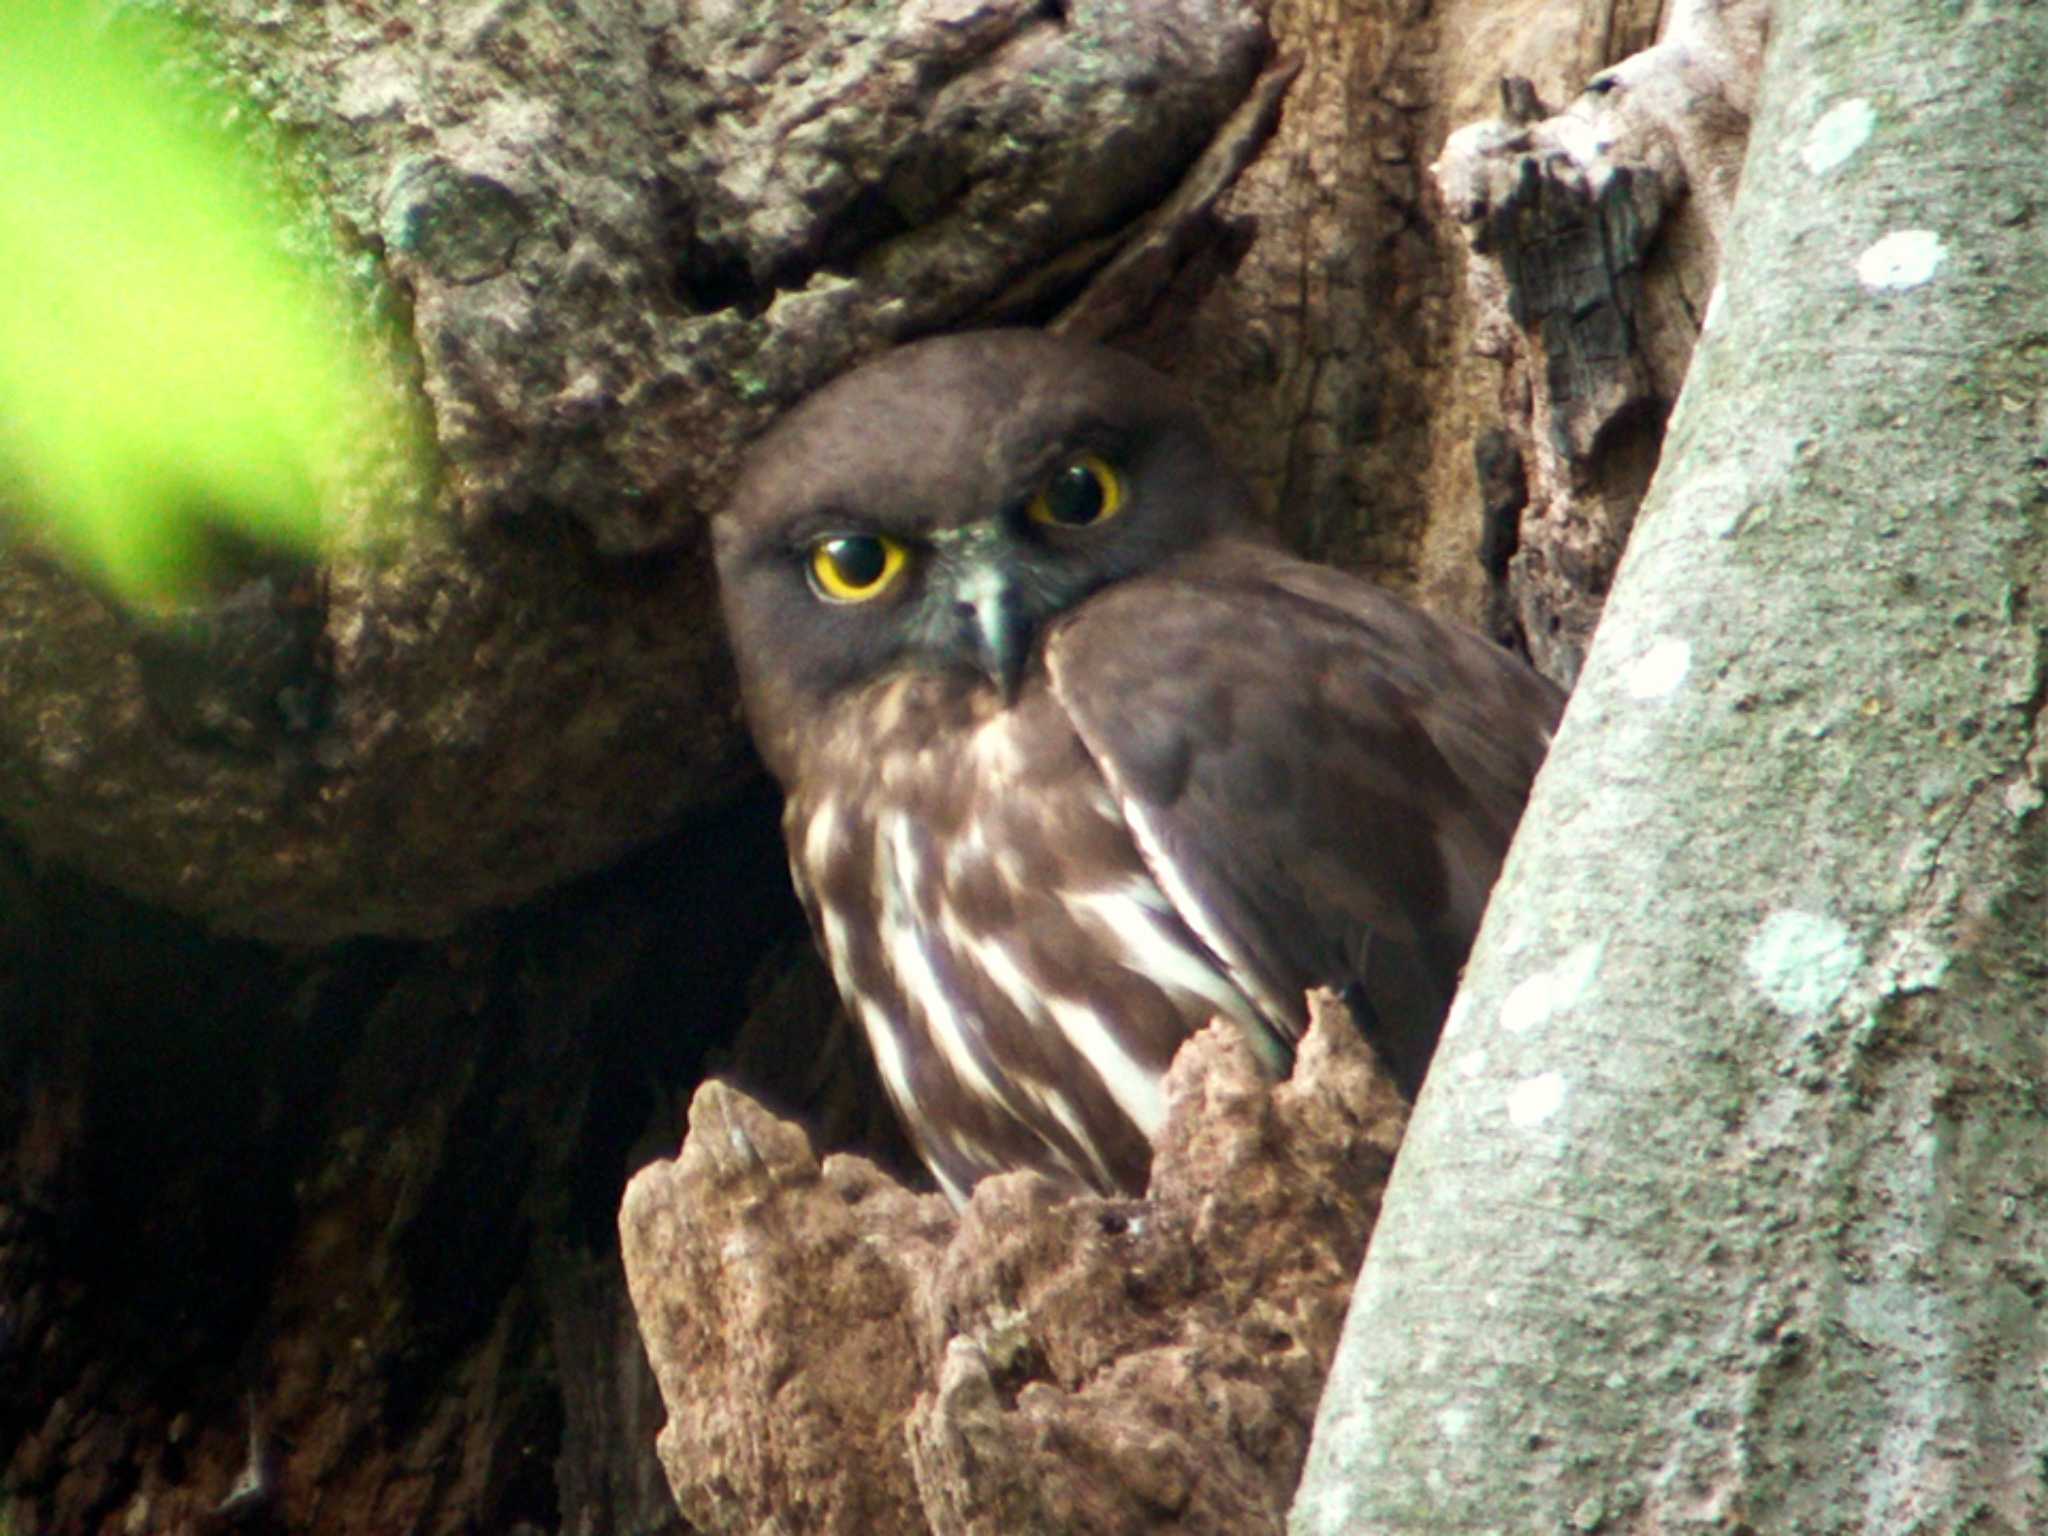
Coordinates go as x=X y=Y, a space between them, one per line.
x=859 y=561
x=1074 y=497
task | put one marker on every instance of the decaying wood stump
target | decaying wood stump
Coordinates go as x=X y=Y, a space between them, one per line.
x=838 y=1354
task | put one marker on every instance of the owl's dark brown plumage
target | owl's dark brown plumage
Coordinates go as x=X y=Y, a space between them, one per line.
x=1077 y=761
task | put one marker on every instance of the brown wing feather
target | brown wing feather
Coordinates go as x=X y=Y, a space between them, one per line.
x=1323 y=778
x=971 y=882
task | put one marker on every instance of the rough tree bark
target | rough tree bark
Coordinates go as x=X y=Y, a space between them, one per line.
x=838 y=1355
x=1723 y=1207
x=327 y=1243
x=612 y=238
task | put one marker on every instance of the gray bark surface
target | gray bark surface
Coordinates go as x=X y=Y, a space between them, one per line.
x=1722 y=1208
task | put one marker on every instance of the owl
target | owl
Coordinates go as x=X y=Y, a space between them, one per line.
x=1077 y=760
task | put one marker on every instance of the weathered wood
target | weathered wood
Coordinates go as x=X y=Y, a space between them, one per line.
x=1595 y=238
x=838 y=1355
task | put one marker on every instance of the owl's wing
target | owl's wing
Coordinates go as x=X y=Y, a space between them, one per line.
x=1321 y=777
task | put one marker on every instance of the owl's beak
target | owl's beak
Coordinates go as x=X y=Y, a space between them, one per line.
x=994 y=628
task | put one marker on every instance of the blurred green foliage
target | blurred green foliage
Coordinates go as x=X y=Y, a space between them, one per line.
x=168 y=371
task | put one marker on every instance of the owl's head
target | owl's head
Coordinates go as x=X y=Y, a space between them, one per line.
x=940 y=508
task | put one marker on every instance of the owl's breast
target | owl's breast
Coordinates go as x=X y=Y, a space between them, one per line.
x=1020 y=975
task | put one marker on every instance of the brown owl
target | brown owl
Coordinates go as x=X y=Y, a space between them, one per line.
x=1076 y=760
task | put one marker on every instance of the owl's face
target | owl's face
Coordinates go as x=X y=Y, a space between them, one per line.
x=938 y=509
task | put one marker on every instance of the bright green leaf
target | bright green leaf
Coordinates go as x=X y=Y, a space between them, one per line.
x=167 y=370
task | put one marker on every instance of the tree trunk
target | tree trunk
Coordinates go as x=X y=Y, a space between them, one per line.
x=1723 y=1207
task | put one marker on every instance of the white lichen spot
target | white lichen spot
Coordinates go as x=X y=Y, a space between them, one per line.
x=1802 y=962
x=1453 y=1422
x=1659 y=670
x=1841 y=131
x=1905 y=258
x=1534 y=1100
x=1536 y=998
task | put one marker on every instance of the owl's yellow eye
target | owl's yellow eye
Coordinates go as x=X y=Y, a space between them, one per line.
x=855 y=567
x=1085 y=491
